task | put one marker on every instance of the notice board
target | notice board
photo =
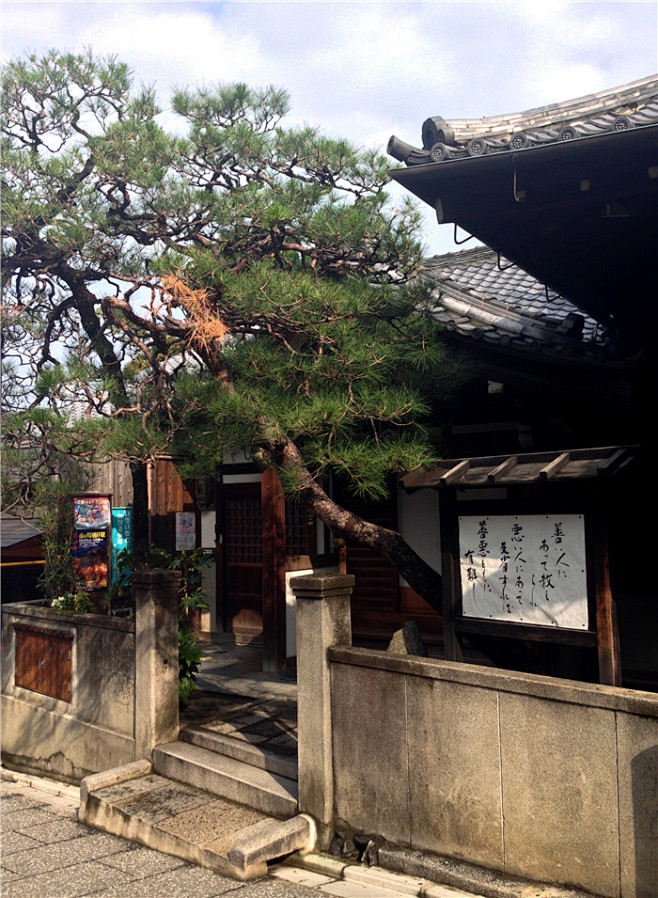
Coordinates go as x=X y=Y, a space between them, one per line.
x=524 y=569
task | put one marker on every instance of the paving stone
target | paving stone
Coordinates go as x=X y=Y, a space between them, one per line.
x=13 y=842
x=70 y=882
x=272 y=888
x=63 y=854
x=57 y=831
x=346 y=889
x=142 y=862
x=18 y=820
x=17 y=801
x=183 y=882
x=299 y=876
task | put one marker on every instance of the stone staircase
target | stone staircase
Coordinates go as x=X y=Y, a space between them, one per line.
x=223 y=796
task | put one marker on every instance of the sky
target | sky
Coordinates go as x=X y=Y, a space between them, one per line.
x=361 y=70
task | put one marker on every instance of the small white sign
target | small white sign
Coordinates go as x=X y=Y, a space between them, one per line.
x=524 y=569
x=185 y=531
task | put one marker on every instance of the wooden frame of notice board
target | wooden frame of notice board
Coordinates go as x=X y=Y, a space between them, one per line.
x=561 y=576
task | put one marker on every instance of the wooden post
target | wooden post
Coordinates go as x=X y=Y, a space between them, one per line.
x=449 y=571
x=607 y=632
x=274 y=572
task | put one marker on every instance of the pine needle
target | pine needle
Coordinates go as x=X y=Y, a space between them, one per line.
x=207 y=325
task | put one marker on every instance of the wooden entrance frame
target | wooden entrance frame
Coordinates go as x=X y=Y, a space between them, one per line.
x=530 y=484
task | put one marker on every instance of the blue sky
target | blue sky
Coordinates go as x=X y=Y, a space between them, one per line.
x=362 y=70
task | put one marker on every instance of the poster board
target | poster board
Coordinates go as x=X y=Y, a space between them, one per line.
x=528 y=569
x=185 y=531
x=90 y=548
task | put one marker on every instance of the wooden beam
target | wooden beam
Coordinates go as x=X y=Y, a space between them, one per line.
x=606 y=612
x=554 y=466
x=604 y=466
x=455 y=473
x=450 y=578
x=501 y=469
x=274 y=572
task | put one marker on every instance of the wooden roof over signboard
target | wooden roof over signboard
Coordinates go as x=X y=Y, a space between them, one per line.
x=534 y=467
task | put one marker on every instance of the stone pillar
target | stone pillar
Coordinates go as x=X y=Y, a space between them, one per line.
x=323 y=620
x=156 y=658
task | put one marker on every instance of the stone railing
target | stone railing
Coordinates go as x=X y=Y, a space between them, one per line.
x=547 y=779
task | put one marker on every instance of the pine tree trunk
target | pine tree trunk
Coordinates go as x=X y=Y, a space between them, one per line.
x=418 y=574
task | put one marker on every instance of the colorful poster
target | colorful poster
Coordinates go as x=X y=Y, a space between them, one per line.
x=121 y=536
x=185 y=531
x=91 y=513
x=89 y=552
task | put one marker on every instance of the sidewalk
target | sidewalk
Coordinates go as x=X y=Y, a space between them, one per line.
x=46 y=853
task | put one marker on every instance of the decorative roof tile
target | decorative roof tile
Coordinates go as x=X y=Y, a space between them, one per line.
x=619 y=109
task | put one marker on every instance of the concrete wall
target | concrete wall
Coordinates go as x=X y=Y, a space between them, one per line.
x=124 y=695
x=95 y=731
x=548 y=779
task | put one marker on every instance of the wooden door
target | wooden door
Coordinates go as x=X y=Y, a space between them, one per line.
x=243 y=559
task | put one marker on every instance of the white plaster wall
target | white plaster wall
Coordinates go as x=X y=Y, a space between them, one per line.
x=418 y=522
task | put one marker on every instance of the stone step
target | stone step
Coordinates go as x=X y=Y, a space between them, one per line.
x=191 y=823
x=254 y=755
x=269 y=793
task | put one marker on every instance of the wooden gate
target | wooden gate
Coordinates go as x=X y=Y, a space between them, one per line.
x=242 y=551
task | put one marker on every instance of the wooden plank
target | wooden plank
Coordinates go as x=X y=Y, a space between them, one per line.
x=551 y=469
x=274 y=572
x=501 y=469
x=529 y=632
x=455 y=473
x=44 y=661
x=450 y=579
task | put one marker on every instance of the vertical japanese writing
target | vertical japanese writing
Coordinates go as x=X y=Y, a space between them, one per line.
x=524 y=568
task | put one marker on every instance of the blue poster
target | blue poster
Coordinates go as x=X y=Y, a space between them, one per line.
x=121 y=531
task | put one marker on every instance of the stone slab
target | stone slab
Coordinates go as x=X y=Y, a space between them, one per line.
x=454 y=759
x=371 y=765
x=75 y=880
x=165 y=801
x=637 y=741
x=140 y=862
x=559 y=787
x=299 y=876
x=215 y=825
x=74 y=851
x=128 y=790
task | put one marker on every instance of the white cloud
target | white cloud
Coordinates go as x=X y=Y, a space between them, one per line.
x=362 y=70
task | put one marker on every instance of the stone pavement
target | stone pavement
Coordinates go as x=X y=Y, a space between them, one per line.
x=47 y=853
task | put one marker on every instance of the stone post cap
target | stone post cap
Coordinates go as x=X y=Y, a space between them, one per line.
x=321 y=584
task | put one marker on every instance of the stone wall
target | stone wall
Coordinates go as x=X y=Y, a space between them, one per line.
x=95 y=730
x=548 y=779
x=124 y=685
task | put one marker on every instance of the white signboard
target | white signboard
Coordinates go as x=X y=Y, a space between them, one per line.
x=185 y=531
x=524 y=569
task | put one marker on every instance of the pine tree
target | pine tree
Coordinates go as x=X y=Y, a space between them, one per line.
x=237 y=283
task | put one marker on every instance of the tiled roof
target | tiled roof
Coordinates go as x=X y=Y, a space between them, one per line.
x=14 y=530
x=620 y=109
x=479 y=295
